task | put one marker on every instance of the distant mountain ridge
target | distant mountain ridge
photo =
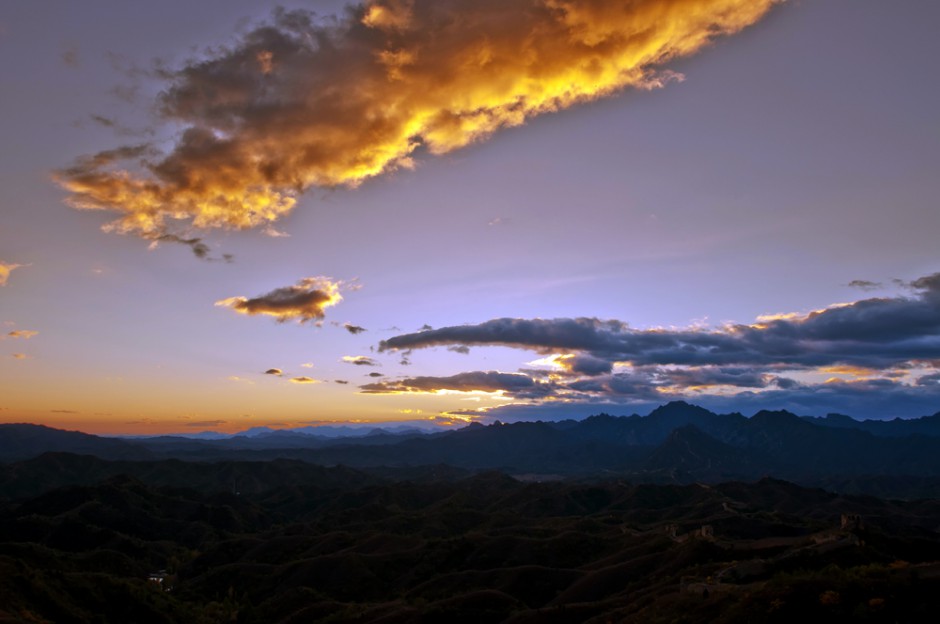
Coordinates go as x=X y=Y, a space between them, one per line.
x=675 y=443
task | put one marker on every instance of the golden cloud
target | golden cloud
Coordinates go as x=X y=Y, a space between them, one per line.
x=5 y=270
x=303 y=380
x=26 y=334
x=303 y=302
x=297 y=104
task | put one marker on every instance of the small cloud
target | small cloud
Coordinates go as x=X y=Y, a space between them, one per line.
x=199 y=248
x=241 y=380
x=71 y=58
x=353 y=329
x=307 y=365
x=107 y=122
x=305 y=301
x=64 y=411
x=359 y=360
x=463 y=349
x=6 y=269
x=26 y=334
x=274 y=371
x=206 y=423
x=376 y=375
x=274 y=232
x=303 y=380
x=865 y=285
x=21 y=356
x=498 y=221
x=340 y=381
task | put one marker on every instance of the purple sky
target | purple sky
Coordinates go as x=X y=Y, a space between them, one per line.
x=746 y=224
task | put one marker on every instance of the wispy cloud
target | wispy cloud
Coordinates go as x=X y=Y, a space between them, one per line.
x=299 y=102
x=211 y=424
x=303 y=302
x=25 y=334
x=5 y=270
x=200 y=249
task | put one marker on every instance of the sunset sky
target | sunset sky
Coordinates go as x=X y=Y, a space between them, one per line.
x=222 y=214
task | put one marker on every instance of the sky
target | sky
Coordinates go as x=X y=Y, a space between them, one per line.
x=228 y=214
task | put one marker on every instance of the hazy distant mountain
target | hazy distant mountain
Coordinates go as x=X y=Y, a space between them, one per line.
x=899 y=427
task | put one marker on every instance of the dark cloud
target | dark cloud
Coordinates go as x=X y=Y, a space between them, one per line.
x=274 y=371
x=353 y=329
x=485 y=381
x=303 y=302
x=885 y=350
x=376 y=375
x=359 y=360
x=340 y=381
x=877 y=333
x=932 y=379
x=300 y=102
x=739 y=377
x=107 y=122
x=865 y=284
x=462 y=349
x=199 y=248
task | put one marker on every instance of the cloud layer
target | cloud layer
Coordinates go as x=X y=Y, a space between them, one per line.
x=478 y=381
x=305 y=301
x=875 y=333
x=887 y=346
x=299 y=102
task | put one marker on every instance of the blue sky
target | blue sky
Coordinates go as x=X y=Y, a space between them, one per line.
x=784 y=168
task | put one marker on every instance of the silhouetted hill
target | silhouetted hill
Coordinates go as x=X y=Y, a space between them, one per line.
x=21 y=441
x=485 y=549
x=54 y=470
x=688 y=454
x=677 y=442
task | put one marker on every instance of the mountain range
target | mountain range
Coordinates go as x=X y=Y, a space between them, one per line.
x=675 y=443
